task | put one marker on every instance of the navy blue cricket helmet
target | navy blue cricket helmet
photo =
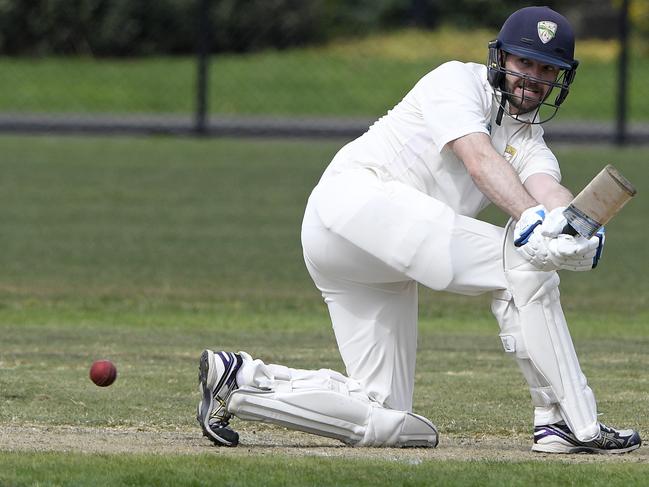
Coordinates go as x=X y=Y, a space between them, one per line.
x=541 y=34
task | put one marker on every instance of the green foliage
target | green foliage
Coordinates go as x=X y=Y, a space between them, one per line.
x=639 y=20
x=471 y=13
x=147 y=27
x=126 y=28
x=97 y=27
x=245 y=25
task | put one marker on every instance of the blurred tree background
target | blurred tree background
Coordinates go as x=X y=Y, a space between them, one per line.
x=131 y=63
x=163 y=27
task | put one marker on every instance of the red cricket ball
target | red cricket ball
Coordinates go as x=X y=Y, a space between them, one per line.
x=103 y=372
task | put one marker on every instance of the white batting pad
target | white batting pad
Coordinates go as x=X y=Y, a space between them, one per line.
x=324 y=403
x=534 y=330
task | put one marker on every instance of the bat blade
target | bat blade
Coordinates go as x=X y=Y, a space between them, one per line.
x=598 y=202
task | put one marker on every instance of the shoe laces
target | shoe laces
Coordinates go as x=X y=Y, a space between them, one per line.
x=219 y=414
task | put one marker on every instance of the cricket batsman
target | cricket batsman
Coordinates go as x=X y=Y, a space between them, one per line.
x=397 y=208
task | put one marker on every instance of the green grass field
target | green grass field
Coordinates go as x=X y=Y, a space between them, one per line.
x=147 y=250
x=352 y=78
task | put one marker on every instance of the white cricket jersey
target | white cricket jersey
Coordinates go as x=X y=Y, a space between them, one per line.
x=408 y=143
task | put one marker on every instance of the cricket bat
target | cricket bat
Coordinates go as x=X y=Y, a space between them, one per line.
x=598 y=202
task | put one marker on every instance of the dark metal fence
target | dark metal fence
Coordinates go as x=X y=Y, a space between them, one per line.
x=623 y=74
x=302 y=92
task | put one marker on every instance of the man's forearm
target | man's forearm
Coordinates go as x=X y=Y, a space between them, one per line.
x=561 y=197
x=498 y=182
x=548 y=191
x=492 y=174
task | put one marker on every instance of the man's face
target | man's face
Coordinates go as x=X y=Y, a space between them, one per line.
x=527 y=94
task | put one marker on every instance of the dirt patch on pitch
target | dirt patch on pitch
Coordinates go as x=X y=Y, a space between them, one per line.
x=268 y=440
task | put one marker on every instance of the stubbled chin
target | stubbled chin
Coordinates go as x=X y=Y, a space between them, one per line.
x=518 y=108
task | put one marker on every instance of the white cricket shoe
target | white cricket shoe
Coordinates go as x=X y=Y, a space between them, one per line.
x=557 y=438
x=217 y=378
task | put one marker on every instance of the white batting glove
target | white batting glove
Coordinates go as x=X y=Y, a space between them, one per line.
x=527 y=224
x=554 y=222
x=528 y=240
x=573 y=253
x=564 y=252
x=537 y=253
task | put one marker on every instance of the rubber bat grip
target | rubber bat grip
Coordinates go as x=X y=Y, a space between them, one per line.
x=569 y=230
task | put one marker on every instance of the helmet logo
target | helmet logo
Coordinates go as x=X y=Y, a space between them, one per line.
x=546 y=30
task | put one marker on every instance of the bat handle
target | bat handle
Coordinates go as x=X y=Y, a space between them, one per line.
x=569 y=230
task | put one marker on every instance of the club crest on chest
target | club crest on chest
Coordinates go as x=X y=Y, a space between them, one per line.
x=510 y=153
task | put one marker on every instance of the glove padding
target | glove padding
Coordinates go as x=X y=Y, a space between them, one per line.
x=554 y=222
x=564 y=252
x=528 y=222
x=573 y=253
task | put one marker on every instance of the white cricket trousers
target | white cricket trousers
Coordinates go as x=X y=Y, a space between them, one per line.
x=367 y=242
